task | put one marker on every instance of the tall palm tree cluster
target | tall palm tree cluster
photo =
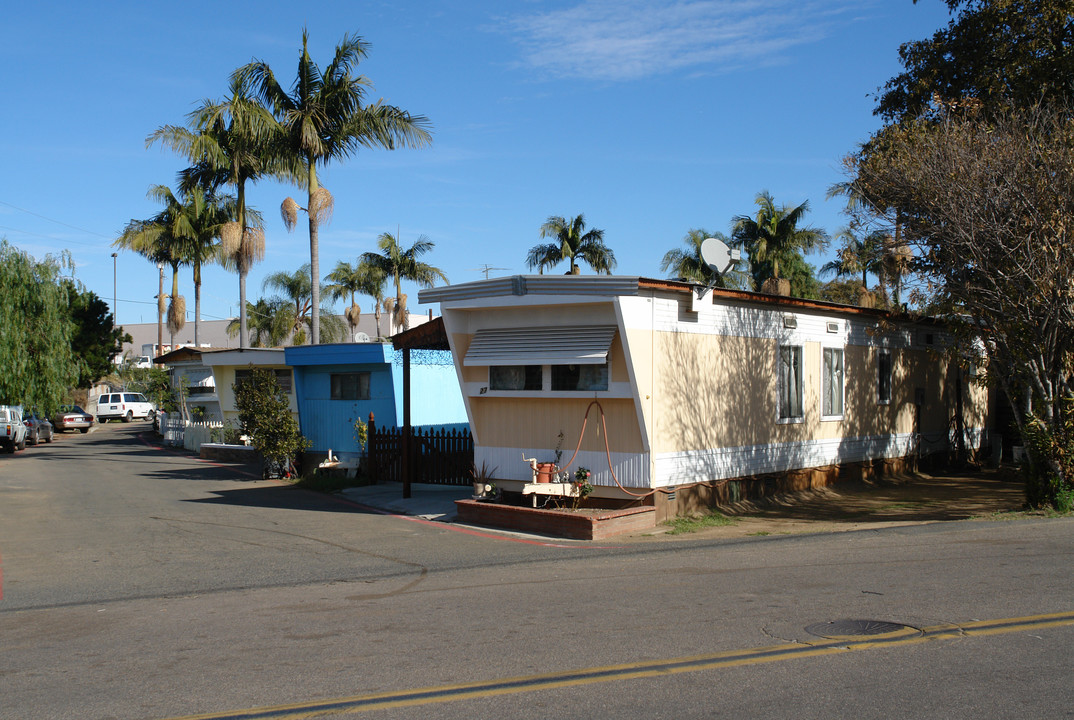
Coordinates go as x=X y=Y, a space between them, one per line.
x=262 y=130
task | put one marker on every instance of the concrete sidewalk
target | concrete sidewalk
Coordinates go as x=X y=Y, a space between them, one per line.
x=430 y=502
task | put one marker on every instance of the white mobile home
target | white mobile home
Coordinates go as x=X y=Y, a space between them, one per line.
x=698 y=399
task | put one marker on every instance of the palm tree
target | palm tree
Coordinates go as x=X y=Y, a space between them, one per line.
x=295 y=304
x=146 y=241
x=690 y=266
x=198 y=220
x=232 y=142
x=349 y=280
x=571 y=242
x=296 y=294
x=263 y=321
x=773 y=235
x=324 y=119
x=399 y=264
x=161 y=239
x=858 y=255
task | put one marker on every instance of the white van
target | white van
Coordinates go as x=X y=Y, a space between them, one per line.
x=126 y=406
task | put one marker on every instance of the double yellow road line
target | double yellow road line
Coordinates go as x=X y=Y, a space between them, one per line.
x=632 y=671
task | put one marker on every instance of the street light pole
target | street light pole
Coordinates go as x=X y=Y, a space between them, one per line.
x=114 y=290
x=160 y=311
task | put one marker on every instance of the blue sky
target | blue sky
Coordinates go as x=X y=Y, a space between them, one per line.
x=649 y=117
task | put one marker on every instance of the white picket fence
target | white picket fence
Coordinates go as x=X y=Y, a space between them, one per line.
x=186 y=433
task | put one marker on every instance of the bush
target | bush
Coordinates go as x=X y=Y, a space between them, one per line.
x=265 y=417
x=1050 y=470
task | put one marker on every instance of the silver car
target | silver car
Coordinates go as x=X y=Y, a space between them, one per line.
x=38 y=429
x=72 y=417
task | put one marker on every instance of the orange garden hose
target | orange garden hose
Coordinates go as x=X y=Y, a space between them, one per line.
x=607 y=450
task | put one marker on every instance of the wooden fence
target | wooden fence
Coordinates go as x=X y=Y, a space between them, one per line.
x=437 y=457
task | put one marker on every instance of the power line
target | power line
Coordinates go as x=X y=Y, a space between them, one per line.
x=52 y=220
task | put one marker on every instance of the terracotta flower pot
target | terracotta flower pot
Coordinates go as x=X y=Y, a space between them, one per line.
x=545 y=471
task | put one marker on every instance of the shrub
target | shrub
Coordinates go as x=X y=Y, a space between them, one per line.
x=265 y=417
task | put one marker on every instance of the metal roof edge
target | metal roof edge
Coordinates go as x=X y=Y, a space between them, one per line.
x=519 y=285
x=616 y=285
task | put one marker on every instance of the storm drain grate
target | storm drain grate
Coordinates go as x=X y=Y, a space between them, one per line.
x=834 y=629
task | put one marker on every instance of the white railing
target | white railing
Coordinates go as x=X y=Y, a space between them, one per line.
x=186 y=433
x=197 y=433
x=172 y=428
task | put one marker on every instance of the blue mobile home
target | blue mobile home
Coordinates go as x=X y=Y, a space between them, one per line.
x=340 y=384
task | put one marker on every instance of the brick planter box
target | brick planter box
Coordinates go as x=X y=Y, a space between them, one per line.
x=586 y=524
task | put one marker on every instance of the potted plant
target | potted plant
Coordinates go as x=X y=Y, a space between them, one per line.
x=546 y=471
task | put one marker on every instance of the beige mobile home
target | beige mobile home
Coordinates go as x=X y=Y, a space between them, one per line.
x=698 y=398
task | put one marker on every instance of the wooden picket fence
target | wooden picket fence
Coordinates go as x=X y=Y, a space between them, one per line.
x=437 y=457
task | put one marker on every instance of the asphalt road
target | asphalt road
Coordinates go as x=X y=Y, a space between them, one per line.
x=140 y=583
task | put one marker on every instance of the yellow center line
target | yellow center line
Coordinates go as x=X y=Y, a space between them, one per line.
x=637 y=670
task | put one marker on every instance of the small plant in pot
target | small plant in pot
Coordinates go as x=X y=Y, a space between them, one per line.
x=484 y=487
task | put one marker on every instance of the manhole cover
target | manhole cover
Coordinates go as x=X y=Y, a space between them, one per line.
x=857 y=628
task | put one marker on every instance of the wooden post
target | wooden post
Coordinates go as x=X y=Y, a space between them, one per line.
x=371 y=448
x=407 y=429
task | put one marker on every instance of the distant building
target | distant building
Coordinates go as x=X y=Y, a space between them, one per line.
x=213 y=334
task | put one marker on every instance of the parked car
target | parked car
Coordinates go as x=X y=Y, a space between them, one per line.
x=125 y=406
x=72 y=417
x=12 y=431
x=38 y=429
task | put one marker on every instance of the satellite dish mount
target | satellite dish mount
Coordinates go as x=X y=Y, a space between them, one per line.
x=719 y=258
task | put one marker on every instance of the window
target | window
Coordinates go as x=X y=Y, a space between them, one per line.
x=832 y=399
x=563 y=378
x=883 y=379
x=580 y=377
x=790 y=382
x=350 y=386
x=283 y=377
x=515 y=377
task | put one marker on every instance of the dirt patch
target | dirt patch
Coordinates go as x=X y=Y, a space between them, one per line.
x=900 y=500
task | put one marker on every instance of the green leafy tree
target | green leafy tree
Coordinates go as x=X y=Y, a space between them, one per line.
x=154 y=383
x=689 y=265
x=94 y=338
x=398 y=264
x=996 y=248
x=324 y=119
x=773 y=237
x=265 y=417
x=844 y=292
x=571 y=242
x=993 y=51
x=35 y=331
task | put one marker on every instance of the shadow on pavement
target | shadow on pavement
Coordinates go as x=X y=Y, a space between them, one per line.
x=911 y=498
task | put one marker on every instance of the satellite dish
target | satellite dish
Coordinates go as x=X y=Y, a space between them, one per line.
x=719 y=257
x=361 y=337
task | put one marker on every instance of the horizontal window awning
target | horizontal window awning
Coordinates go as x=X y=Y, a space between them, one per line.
x=586 y=345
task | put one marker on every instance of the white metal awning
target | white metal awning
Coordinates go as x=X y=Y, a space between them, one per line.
x=587 y=345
